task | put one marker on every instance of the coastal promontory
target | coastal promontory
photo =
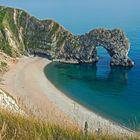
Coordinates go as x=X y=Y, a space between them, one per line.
x=22 y=34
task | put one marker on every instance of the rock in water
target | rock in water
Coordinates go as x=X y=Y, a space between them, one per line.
x=21 y=33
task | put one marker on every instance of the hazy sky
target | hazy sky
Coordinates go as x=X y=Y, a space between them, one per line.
x=82 y=15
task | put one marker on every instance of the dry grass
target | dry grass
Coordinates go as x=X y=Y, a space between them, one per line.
x=18 y=127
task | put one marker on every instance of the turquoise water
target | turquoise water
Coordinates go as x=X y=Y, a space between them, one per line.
x=112 y=92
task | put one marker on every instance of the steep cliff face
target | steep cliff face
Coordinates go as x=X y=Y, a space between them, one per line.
x=21 y=33
x=10 y=41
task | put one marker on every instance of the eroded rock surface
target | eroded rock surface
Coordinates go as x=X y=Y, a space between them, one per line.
x=8 y=103
x=24 y=34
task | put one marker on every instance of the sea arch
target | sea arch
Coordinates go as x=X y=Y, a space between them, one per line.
x=114 y=41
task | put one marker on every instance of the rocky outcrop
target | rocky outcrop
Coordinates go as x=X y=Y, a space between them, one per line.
x=8 y=103
x=114 y=41
x=24 y=34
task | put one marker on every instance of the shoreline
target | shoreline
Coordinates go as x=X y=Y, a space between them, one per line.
x=49 y=96
x=96 y=113
x=122 y=129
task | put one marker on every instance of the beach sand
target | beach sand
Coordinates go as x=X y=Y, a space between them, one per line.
x=26 y=80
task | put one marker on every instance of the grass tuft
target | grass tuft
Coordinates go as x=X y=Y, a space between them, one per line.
x=18 y=127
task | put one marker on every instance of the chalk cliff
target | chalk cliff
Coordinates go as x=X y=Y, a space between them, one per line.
x=22 y=34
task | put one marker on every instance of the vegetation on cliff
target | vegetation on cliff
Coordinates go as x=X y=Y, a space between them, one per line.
x=3 y=66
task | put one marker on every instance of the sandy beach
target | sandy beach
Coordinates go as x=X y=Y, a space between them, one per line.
x=26 y=81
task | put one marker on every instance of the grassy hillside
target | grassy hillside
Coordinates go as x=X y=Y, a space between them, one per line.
x=8 y=33
x=19 y=32
x=17 y=127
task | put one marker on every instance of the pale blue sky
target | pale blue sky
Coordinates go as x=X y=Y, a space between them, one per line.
x=80 y=16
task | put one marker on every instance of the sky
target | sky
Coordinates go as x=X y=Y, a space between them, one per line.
x=80 y=16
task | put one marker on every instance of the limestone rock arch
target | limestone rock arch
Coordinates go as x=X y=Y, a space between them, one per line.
x=114 y=41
